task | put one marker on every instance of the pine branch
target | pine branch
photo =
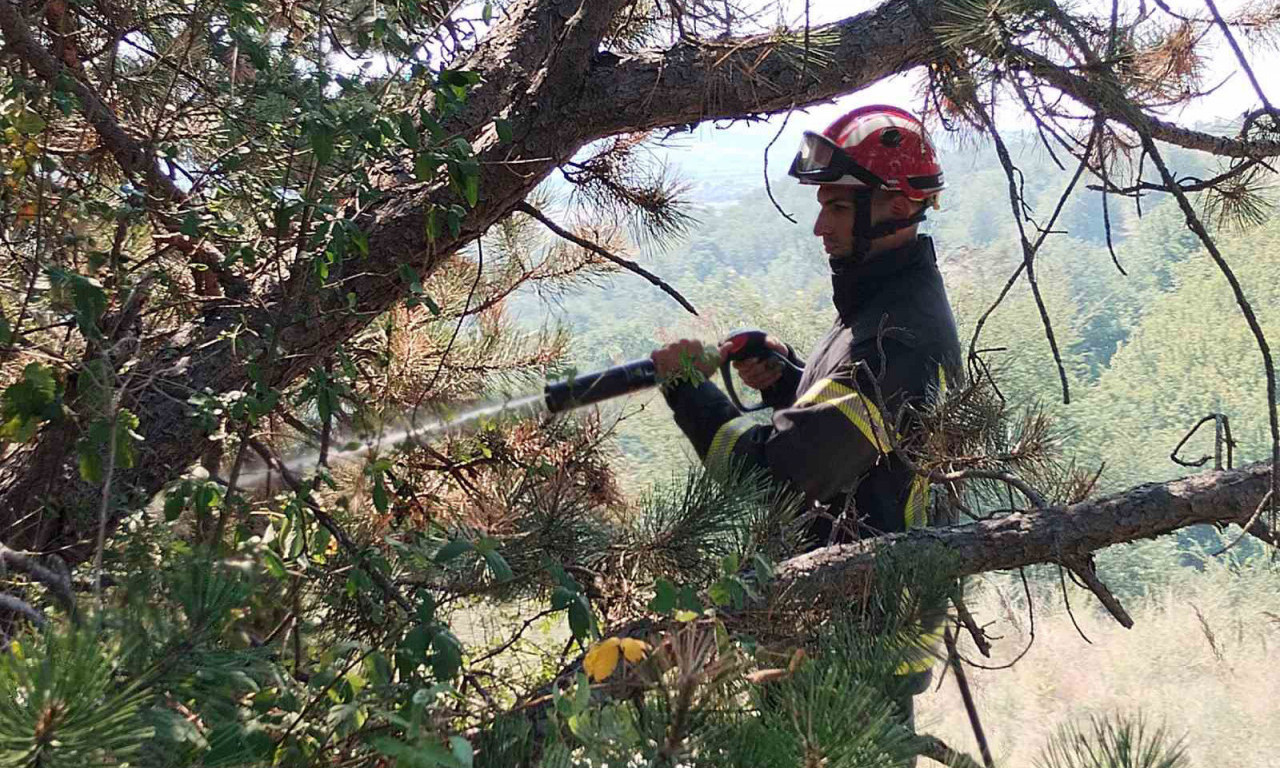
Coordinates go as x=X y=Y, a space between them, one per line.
x=627 y=264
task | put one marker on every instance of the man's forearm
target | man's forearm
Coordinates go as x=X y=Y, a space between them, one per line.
x=700 y=410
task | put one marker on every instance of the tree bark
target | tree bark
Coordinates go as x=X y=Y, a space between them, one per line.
x=1053 y=535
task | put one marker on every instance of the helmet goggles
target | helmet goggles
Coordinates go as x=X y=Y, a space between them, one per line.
x=821 y=161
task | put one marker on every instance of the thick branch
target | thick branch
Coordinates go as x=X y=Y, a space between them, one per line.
x=1098 y=97
x=1051 y=535
x=132 y=157
x=696 y=81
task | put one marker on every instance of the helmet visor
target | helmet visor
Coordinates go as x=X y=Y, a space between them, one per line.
x=821 y=161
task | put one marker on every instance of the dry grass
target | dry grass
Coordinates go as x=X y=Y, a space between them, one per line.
x=1203 y=658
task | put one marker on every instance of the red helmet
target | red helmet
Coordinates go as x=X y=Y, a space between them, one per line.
x=874 y=146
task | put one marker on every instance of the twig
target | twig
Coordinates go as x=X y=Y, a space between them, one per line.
x=332 y=526
x=1084 y=568
x=1244 y=62
x=525 y=208
x=1066 y=600
x=1252 y=520
x=967 y=695
x=462 y=317
x=1200 y=461
x=936 y=749
x=966 y=618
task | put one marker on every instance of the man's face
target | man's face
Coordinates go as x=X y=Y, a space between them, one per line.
x=835 y=219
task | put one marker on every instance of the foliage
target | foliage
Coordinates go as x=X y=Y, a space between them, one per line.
x=1122 y=742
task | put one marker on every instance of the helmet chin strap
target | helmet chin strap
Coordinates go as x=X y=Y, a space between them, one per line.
x=864 y=232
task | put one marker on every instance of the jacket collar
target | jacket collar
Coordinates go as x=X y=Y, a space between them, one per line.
x=854 y=283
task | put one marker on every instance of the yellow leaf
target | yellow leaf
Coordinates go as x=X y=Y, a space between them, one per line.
x=683 y=615
x=31 y=148
x=634 y=650
x=602 y=659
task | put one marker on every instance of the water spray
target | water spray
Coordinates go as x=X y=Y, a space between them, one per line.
x=556 y=397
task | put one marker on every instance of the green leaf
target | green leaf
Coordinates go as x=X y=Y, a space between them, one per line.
x=380 y=500
x=322 y=138
x=95 y=446
x=190 y=225
x=175 y=501
x=498 y=566
x=688 y=600
x=416 y=642
x=453 y=549
x=764 y=569
x=719 y=593
x=447 y=659
x=423 y=166
x=410 y=276
x=27 y=122
x=454 y=217
x=581 y=620
x=421 y=754
x=462 y=750
x=471 y=189
x=28 y=402
x=86 y=296
x=504 y=130
x=486 y=13
x=408 y=131
x=664 y=598
x=433 y=225
x=275 y=566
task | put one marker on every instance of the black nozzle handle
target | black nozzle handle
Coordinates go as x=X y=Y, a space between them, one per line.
x=603 y=385
x=744 y=345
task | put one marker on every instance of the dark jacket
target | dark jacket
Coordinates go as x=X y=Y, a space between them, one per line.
x=835 y=427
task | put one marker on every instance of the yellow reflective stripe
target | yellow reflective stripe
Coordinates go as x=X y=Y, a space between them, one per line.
x=942 y=381
x=926 y=646
x=717 y=459
x=856 y=408
x=916 y=512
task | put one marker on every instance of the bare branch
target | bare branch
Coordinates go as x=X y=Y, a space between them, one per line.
x=1084 y=568
x=937 y=750
x=627 y=264
x=57 y=583
x=22 y=608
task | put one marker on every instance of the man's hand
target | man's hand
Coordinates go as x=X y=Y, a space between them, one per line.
x=759 y=373
x=683 y=356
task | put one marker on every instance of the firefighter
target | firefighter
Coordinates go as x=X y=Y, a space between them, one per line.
x=893 y=342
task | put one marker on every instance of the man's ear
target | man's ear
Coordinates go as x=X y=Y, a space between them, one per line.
x=903 y=208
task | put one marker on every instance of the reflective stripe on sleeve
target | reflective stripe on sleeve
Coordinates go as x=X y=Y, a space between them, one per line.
x=857 y=409
x=916 y=512
x=718 y=455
